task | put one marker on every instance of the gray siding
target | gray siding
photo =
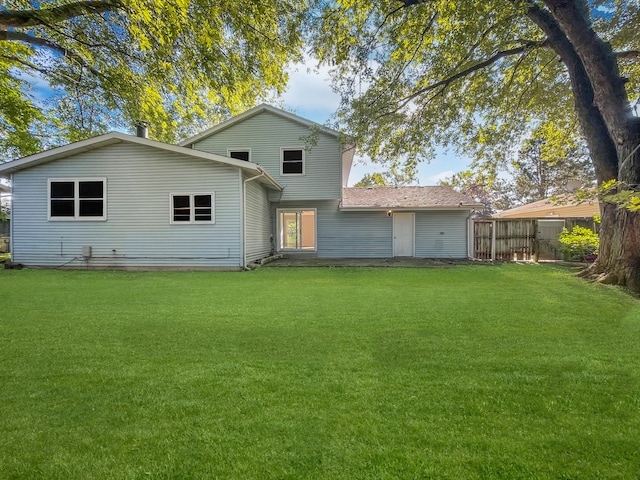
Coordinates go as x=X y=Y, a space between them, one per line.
x=257 y=222
x=343 y=234
x=354 y=234
x=137 y=231
x=347 y=234
x=265 y=133
x=442 y=234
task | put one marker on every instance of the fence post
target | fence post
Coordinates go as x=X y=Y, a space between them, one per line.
x=493 y=240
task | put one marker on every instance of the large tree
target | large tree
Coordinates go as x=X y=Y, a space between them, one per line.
x=539 y=173
x=480 y=75
x=173 y=63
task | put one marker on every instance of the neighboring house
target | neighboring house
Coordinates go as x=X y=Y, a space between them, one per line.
x=264 y=182
x=552 y=209
x=5 y=195
x=552 y=216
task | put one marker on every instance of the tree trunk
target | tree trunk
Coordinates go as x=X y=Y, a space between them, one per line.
x=619 y=259
x=613 y=139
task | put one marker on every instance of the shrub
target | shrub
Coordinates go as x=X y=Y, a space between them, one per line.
x=579 y=244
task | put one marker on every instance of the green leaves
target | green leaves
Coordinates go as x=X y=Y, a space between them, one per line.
x=579 y=243
x=177 y=64
x=473 y=75
x=17 y=110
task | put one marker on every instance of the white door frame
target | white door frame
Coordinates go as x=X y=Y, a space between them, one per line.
x=398 y=245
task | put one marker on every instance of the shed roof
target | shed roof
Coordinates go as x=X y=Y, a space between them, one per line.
x=563 y=207
x=405 y=198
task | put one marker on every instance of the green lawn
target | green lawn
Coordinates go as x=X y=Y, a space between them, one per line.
x=512 y=371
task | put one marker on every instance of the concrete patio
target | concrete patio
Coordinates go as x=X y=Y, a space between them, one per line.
x=405 y=262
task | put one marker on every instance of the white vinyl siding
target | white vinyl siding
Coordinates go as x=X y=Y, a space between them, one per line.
x=369 y=234
x=442 y=234
x=257 y=222
x=138 y=232
x=347 y=234
x=265 y=134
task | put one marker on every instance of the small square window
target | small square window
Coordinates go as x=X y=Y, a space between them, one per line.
x=292 y=161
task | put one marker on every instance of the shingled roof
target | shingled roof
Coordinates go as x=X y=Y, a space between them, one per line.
x=408 y=198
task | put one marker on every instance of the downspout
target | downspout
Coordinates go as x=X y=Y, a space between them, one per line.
x=244 y=217
x=11 y=223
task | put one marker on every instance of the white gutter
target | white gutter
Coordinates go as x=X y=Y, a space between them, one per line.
x=11 y=225
x=267 y=175
x=409 y=209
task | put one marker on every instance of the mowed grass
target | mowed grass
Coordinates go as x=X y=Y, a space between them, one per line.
x=512 y=371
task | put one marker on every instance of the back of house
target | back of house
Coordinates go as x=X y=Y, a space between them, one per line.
x=264 y=182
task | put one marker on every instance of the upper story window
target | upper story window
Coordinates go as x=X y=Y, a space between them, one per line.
x=240 y=154
x=192 y=208
x=78 y=199
x=292 y=161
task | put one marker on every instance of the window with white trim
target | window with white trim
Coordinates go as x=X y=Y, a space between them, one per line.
x=292 y=161
x=240 y=154
x=189 y=208
x=83 y=199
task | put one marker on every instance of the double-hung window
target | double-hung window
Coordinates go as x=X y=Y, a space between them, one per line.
x=292 y=161
x=192 y=208
x=82 y=199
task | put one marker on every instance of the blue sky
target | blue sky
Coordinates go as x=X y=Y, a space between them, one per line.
x=309 y=95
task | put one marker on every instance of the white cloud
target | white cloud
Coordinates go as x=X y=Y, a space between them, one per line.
x=434 y=179
x=36 y=85
x=309 y=92
x=309 y=95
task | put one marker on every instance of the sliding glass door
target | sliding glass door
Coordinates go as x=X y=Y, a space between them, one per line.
x=297 y=229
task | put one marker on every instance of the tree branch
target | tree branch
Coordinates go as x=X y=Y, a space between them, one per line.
x=598 y=61
x=627 y=55
x=406 y=64
x=62 y=13
x=409 y=3
x=43 y=42
x=26 y=64
x=42 y=71
x=474 y=68
x=594 y=128
x=31 y=40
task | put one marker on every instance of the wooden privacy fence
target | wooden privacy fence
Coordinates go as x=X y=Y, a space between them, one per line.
x=505 y=239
